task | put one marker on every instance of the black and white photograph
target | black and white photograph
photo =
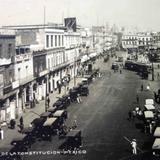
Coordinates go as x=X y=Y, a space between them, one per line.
x=79 y=80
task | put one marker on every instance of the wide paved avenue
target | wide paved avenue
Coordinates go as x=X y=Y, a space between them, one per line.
x=102 y=117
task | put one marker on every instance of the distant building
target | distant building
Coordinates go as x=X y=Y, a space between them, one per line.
x=137 y=41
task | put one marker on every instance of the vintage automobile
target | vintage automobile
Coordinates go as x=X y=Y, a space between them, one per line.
x=66 y=100
x=59 y=104
x=73 y=140
x=21 y=144
x=45 y=115
x=84 y=90
x=73 y=95
x=85 y=81
x=37 y=125
x=88 y=77
x=52 y=109
x=61 y=115
x=49 y=128
x=115 y=66
x=156 y=147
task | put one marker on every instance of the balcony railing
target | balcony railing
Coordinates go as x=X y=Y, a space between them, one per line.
x=22 y=57
x=7 y=88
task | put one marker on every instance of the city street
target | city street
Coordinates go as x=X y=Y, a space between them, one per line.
x=79 y=81
x=103 y=119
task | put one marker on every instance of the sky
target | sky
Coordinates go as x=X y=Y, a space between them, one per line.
x=132 y=14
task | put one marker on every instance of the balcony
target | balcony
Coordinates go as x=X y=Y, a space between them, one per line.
x=15 y=84
x=7 y=88
x=22 y=57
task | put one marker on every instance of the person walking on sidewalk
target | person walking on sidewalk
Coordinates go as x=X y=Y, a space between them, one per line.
x=1 y=134
x=21 y=120
x=48 y=100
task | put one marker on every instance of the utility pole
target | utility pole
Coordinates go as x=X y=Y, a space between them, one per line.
x=44 y=16
x=75 y=59
x=152 y=71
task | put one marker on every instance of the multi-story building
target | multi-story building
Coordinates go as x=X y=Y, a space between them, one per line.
x=44 y=56
x=8 y=85
x=136 y=41
x=44 y=49
x=72 y=51
x=144 y=41
x=130 y=42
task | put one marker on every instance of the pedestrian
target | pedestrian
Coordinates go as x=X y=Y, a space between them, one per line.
x=12 y=123
x=137 y=98
x=21 y=127
x=141 y=87
x=48 y=100
x=158 y=66
x=79 y=100
x=75 y=123
x=130 y=115
x=150 y=128
x=148 y=87
x=134 y=146
x=1 y=134
x=120 y=71
x=133 y=114
x=21 y=120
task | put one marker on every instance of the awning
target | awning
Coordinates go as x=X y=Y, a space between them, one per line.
x=157 y=132
x=84 y=58
x=150 y=101
x=156 y=144
x=148 y=114
x=49 y=121
x=149 y=107
x=93 y=55
x=58 y=113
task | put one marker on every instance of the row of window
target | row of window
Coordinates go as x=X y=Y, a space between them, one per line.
x=135 y=38
x=54 y=41
x=55 y=60
x=135 y=43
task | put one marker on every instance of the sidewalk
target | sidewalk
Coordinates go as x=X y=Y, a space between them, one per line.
x=29 y=116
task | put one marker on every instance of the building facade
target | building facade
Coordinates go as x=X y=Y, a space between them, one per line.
x=8 y=84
